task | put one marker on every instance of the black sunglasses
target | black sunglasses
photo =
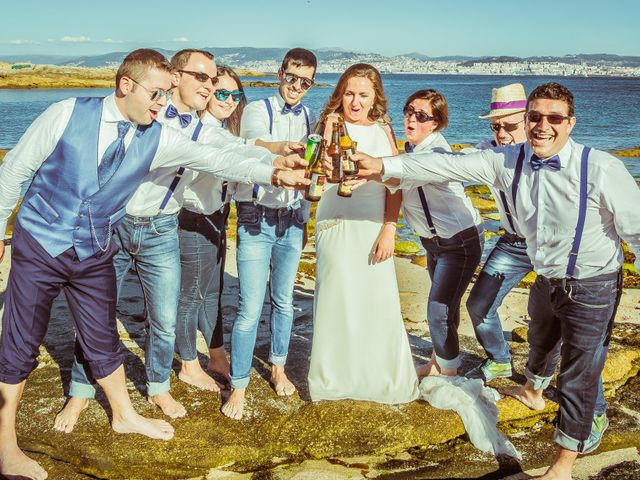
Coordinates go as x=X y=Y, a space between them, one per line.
x=201 y=77
x=421 y=117
x=507 y=127
x=552 y=118
x=291 y=78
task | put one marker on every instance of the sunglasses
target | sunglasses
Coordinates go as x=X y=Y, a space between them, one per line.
x=552 y=118
x=291 y=78
x=507 y=127
x=201 y=77
x=156 y=94
x=421 y=117
x=222 y=95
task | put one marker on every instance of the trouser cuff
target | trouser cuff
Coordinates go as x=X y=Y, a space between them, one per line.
x=452 y=364
x=537 y=381
x=279 y=360
x=81 y=390
x=239 y=382
x=158 y=388
x=567 y=442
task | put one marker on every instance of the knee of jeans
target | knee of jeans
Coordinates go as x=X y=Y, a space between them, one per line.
x=437 y=312
x=482 y=298
x=246 y=323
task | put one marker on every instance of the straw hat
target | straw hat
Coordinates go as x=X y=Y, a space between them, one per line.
x=507 y=100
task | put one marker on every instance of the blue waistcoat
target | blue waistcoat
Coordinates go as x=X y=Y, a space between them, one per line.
x=64 y=206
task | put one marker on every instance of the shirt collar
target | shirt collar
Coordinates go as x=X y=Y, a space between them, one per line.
x=208 y=119
x=426 y=142
x=564 y=154
x=193 y=113
x=110 y=111
x=281 y=102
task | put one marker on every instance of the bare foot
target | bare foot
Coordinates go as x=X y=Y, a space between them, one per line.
x=169 y=405
x=15 y=464
x=149 y=427
x=192 y=373
x=554 y=476
x=529 y=398
x=281 y=383
x=234 y=406
x=67 y=418
x=218 y=362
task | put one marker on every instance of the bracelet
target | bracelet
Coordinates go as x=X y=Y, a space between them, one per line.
x=275 y=181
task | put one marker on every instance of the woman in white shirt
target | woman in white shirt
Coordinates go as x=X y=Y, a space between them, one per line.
x=449 y=227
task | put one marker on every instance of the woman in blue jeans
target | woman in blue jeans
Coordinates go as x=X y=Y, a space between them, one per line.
x=449 y=227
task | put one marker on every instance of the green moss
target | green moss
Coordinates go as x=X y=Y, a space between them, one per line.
x=406 y=248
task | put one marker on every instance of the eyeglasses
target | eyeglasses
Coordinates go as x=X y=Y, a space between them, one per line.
x=507 y=127
x=291 y=78
x=421 y=117
x=201 y=77
x=156 y=94
x=222 y=95
x=552 y=118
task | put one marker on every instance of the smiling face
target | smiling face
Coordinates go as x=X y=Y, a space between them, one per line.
x=415 y=131
x=544 y=138
x=192 y=94
x=134 y=100
x=293 y=93
x=223 y=109
x=357 y=100
x=513 y=122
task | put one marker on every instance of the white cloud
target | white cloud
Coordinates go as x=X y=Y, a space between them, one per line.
x=111 y=40
x=71 y=39
x=23 y=42
x=181 y=39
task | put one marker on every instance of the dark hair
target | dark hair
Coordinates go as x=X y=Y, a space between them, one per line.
x=334 y=104
x=233 y=122
x=552 y=91
x=438 y=103
x=300 y=57
x=181 y=58
x=138 y=63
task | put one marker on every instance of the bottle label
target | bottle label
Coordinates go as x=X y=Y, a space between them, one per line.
x=317 y=184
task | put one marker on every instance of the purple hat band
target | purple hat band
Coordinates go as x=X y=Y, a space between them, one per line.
x=514 y=104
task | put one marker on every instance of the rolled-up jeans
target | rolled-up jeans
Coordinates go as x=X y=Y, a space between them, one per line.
x=508 y=263
x=152 y=244
x=451 y=263
x=269 y=242
x=202 y=255
x=580 y=314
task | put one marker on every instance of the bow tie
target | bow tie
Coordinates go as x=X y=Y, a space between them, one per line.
x=296 y=109
x=537 y=163
x=408 y=147
x=185 y=118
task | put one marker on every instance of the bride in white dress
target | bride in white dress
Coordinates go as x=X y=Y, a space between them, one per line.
x=360 y=346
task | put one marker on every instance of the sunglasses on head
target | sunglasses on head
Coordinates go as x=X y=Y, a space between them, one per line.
x=507 y=127
x=421 y=116
x=157 y=93
x=222 y=95
x=291 y=78
x=552 y=118
x=201 y=77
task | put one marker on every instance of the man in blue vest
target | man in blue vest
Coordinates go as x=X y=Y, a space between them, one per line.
x=574 y=205
x=88 y=156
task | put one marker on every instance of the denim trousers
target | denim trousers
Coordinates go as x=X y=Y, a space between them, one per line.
x=580 y=315
x=451 y=263
x=508 y=263
x=203 y=242
x=269 y=243
x=151 y=244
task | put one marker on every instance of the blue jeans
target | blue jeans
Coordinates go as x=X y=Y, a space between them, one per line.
x=580 y=314
x=269 y=241
x=151 y=243
x=451 y=263
x=507 y=264
x=202 y=253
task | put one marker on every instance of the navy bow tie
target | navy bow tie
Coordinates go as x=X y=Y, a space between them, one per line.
x=537 y=163
x=408 y=147
x=296 y=109
x=185 y=118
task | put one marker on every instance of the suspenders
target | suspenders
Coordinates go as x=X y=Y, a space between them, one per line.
x=582 y=213
x=514 y=188
x=427 y=213
x=176 y=179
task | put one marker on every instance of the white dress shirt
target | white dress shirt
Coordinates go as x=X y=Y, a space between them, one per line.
x=547 y=202
x=204 y=193
x=289 y=127
x=174 y=150
x=450 y=208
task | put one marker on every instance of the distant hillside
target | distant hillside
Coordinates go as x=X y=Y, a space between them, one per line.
x=593 y=59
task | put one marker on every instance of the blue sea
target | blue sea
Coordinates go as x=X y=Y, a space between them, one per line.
x=606 y=107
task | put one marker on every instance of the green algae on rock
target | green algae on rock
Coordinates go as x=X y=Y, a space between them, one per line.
x=406 y=248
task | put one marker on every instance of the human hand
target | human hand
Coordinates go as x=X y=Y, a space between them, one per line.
x=291 y=179
x=369 y=167
x=1 y=250
x=290 y=161
x=385 y=244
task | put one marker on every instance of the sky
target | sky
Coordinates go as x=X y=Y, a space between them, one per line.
x=434 y=28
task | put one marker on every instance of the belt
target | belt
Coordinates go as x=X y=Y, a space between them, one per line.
x=143 y=220
x=513 y=238
x=270 y=210
x=562 y=282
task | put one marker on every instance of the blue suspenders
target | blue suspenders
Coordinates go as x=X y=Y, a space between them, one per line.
x=514 y=189
x=176 y=179
x=427 y=213
x=582 y=213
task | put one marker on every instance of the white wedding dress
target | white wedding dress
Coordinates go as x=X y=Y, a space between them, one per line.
x=360 y=346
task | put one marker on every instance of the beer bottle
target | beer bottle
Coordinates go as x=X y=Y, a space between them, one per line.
x=349 y=167
x=344 y=190
x=335 y=152
x=316 y=175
